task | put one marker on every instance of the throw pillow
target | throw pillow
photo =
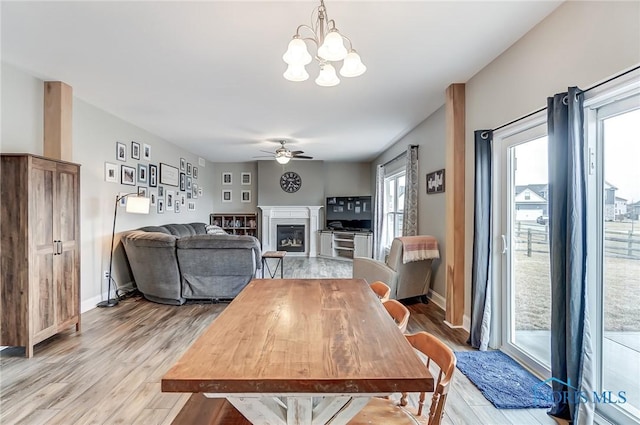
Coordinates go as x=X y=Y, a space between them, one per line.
x=212 y=229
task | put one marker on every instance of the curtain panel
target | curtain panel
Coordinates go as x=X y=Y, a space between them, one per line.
x=481 y=265
x=571 y=347
x=410 y=219
x=378 y=216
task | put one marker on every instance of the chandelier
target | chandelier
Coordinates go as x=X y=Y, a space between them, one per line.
x=329 y=44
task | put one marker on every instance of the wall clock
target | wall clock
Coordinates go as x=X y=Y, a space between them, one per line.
x=290 y=182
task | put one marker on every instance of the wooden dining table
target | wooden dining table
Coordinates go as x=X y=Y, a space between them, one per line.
x=300 y=351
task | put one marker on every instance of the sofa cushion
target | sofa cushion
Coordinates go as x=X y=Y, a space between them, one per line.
x=212 y=229
x=149 y=239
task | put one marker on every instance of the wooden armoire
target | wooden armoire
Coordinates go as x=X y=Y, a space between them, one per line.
x=40 y=232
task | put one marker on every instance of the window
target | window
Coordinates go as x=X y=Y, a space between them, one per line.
x=394 y=206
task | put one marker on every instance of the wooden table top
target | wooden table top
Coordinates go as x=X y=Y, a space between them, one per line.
x=301 y=336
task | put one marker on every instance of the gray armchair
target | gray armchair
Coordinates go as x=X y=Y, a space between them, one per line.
x=412 y=279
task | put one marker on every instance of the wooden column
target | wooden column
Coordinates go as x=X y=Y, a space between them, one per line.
x=58 y=110
x=455 y=140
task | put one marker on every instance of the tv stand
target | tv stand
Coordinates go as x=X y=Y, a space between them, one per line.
x=344 y=244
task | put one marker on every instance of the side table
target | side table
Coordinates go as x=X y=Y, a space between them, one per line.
x=279 y=256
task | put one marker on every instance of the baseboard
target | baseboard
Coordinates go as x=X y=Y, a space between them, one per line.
x=90 y=304
x=441 y=302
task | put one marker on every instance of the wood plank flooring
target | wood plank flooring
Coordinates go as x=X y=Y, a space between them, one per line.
x=110 y=372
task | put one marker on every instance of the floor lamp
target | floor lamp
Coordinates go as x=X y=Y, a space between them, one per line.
x=135 y=205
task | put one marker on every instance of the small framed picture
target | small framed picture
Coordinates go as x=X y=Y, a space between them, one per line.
x=435 y=182
x=142 y=173
x=123 y=199
x=146 y=152
x=195 y=172
x=176 y=206
x=246 y=196
x=199 y=191
x=226 y=196
x=183 y=181
x=188 y=183
x=135 y=150
x=183 y=200
x=127 y=175
x=183 y=165
x=245 y=178
x=143 y=191
x=160 y=205
x=189 y=169
x=153 y=175
x=121 y=151
x=194 y=191
x=169 y=175
x=110 y=172
x=153 y=197
x=160 y=191
x=226 y=178
x=170 y=200
x=191 y=206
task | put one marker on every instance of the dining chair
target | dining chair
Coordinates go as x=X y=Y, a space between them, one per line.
x=399 y=312
x=381 y=289
x=384 y=411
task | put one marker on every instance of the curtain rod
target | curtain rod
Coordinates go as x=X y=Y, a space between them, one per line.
x=582 y=91
x=400 y=155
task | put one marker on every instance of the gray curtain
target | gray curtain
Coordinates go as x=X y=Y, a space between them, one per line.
x=410 y=219
x=378 y=215
x=571 y=348
x=481 y=266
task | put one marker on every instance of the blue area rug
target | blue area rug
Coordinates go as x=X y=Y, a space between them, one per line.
x=502 y=381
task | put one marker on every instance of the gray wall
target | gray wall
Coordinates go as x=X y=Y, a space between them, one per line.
x=236 y=169
x=347 y=179
x=311 y=192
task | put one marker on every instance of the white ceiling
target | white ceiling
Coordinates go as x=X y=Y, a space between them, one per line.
x=207 y=75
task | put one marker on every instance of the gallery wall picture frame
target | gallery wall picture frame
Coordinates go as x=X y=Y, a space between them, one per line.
x=135 y=150
x=153 y=197
x=226 y=196
x=183 y=200
x=191 y=206
x=199 y=188
x=110 y=172
x=195 y=172
x=170 y=201
x=160 y=205
x=189 y=168
x=245 y=196
x=121 y=151
x=176 y=206
x=194 y=191
x=146 y=152
x=183 y=164
x=127 y=175
x=143 y=191
x=142 y=173
x=245 y=179
x=189 y=181
x=435 y=182
x=169 y=175
x=227 y=178
x=161 y=192
x=183 y=181
x=153 y=175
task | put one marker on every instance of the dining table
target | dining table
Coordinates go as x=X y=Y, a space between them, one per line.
x=300 y=351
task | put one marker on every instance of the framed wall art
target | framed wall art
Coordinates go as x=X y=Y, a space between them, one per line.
x=245 y=196
x=128 y=175
x=121 y=151
x=110 y=172
x=146 y=152
x=245 y=178
x=435 y=182
x=226 y=196
x=153 y=175
x=226 y=178
x=169 y=175
x=142 y=173
x=135 y=150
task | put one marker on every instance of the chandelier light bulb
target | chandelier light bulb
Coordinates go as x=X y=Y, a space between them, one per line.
x=297 y=53
x=352 y=66
x=296 y=73
x=332 y=48
x=327 y=76
x=282 y=158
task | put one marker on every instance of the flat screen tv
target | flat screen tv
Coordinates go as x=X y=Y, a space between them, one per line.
x=353 y=213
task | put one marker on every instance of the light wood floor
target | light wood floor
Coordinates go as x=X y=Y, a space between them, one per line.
x=110 y=372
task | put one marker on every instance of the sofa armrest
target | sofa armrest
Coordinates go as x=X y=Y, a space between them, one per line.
x=372 y=270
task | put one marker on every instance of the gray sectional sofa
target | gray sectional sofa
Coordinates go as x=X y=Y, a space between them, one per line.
x=176 y=262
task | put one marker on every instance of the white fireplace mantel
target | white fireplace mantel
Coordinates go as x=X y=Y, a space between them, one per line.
x=274 y=215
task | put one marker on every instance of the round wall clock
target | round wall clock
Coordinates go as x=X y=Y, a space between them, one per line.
x=290 y=182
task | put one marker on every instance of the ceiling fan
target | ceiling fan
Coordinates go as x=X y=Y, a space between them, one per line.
x=284 y=155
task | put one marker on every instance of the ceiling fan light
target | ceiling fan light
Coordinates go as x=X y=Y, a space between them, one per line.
x=352 y=66
x=327 y=76
x=332 y=48
x=296 y=73
x=282 y=158
x=297 y=53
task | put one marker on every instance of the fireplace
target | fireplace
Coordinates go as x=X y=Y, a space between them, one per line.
x=273 y=216
x=290 y=237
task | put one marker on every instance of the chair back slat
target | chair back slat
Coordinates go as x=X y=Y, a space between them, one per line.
x=381 y=289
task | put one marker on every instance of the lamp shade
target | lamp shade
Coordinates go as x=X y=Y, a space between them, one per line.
x=352 y=66
x=137 y=205
x=296 y=73
x=327 y=76
x=332 y=48
x=297 y=53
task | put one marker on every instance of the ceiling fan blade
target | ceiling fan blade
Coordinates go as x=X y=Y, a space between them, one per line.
x=296 y=152
x=302 y=157
x=271 y=152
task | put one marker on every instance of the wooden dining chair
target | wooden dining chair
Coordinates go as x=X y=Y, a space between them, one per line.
x=381 y=289
x=382 y=411
x=399 y=312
